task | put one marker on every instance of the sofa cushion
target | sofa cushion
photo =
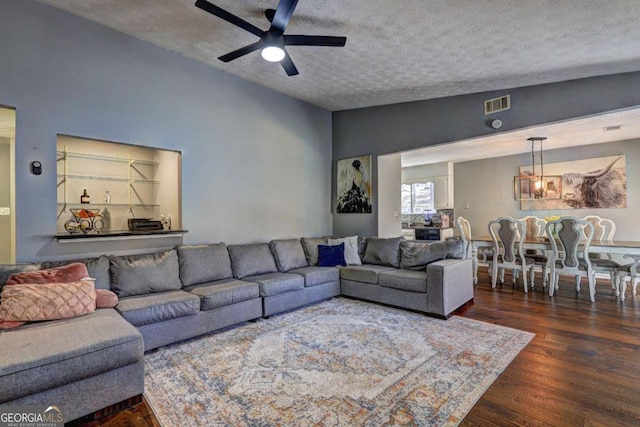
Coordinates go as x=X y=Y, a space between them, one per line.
x=144 y=274
x=314 y=276
x=331 y=256
x=30 y=302
x=50 y=354
x=98 y=268
x=277 y=283
x=67 y=273
x=289 y=254
x=224 y=292
x=310 y=245
x=204 y=263
x=157 y=307
x=366 y=273
x=383 y=251
x=417 y=255
x=250 y=260
x=405 y=280
x=351 y=254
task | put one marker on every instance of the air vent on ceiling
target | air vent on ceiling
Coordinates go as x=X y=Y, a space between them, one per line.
x=497 y=104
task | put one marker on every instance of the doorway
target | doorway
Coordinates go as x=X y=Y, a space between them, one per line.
x=7 y=193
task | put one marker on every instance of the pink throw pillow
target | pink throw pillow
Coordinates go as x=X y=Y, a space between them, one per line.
x=10 y=325
x=106 y=298
x=66 y=273
x=47 y=301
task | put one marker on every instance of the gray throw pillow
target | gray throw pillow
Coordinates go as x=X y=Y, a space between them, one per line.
x=250 y=260
x=98 y=268
x=310 y=245
x=383 y=251
x=417 y=255
x=362 y=246
x=288 y=254
x=204 y=263
x=145 y=274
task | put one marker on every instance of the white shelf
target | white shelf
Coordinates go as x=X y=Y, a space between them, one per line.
x=105 y=158
x=106 y=205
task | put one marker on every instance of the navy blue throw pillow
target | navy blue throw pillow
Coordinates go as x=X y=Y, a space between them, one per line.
x=330 y=256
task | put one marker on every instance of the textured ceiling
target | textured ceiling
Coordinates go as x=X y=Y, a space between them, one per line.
x=571 y=133
x=396 y=51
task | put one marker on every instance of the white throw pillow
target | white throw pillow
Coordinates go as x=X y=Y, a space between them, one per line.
x=351 y=256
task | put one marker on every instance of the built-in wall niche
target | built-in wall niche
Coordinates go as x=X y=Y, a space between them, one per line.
x=122 y=181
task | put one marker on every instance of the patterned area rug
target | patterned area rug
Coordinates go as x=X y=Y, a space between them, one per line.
x=338 y=363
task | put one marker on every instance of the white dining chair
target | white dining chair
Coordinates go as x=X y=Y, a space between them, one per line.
x=604 y=230
x=483 y=257
x=535 y=229
x=508 y=235
x=628 y=272
x=572 y=237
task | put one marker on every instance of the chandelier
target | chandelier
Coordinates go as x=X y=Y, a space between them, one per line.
x=531 y=185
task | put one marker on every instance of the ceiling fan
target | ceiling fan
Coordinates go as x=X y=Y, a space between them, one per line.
x=273 y=41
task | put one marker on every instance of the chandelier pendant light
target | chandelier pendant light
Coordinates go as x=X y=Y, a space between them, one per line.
x=531 y=185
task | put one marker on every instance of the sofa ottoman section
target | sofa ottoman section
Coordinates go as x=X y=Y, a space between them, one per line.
x=142 y=310
x=449 y=286
x=58 y=361
x=224 y=292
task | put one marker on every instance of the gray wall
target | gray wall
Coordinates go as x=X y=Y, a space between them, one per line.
x=399 y=127
x=5 y=200
x=256 y=164
x=487 y=186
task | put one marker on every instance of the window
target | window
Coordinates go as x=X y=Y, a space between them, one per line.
x=417 y=198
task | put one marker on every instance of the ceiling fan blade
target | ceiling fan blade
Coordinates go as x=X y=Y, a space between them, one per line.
x=241 y=52
x=283 y=15
x=300 y=40
x=229 y=17
x=288 y=66
x=269 y=14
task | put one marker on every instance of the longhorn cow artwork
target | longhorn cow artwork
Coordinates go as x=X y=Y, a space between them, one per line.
x=586 y=184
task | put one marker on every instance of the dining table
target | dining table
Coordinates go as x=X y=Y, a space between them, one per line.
x=612 y=247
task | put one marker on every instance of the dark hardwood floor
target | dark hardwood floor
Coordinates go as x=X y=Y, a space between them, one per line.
x=581 y=369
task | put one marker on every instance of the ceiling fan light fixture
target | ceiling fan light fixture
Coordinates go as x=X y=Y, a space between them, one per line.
x=272 y=53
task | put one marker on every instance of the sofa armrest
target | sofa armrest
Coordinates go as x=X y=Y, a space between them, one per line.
x=449 y=285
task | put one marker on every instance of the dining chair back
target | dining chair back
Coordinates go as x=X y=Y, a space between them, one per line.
x=464 y=228
x=482 y=257
x=603 y=228
x=572 y=237
x=535 y=228
x=508 y=235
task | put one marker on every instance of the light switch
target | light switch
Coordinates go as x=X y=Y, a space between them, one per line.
x=5 y=211
x=396 y=214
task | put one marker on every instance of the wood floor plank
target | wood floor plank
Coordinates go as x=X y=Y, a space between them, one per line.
x=581 y=369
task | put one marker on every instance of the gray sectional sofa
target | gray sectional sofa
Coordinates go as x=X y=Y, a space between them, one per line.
x=90 y=362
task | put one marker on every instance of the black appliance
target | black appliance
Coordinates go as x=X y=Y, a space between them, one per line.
x=428 y=233
x=144 y=224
